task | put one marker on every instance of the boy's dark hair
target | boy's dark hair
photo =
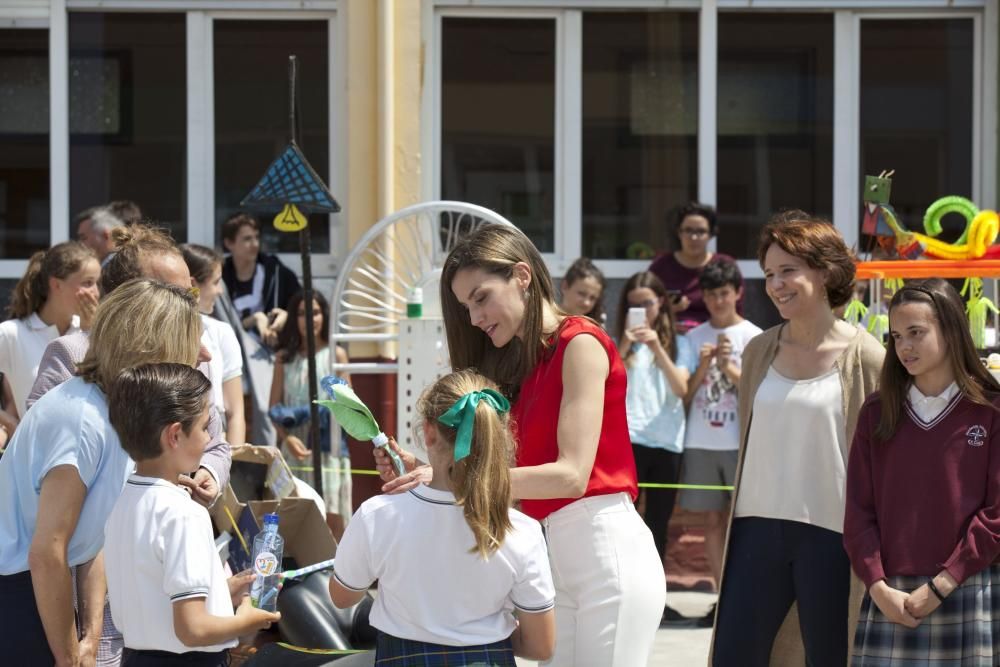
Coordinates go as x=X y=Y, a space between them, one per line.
x=146 y=399
x=234 y=223
x=719 y=273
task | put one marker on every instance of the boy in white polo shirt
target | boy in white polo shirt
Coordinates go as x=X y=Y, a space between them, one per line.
x=712 y=440
x=169 y=595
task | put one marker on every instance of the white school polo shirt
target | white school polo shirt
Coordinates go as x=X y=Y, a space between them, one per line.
x=227 y=358
x=67 y=426
x=159 y=550
x=431 y=588
x=22 y=343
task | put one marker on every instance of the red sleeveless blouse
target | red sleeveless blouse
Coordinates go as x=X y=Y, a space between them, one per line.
x=536 y=418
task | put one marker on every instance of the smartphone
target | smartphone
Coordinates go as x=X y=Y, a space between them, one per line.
x=636 y=318
x=674 y=295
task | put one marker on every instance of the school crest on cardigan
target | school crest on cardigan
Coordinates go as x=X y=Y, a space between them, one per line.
x=976 y=435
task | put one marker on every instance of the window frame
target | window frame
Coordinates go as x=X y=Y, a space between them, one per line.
x=28 y=18
x=200 y=140
x=201 y=144
x=847 y=17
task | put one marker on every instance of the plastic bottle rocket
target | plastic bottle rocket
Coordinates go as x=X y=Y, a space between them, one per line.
x=267 y=551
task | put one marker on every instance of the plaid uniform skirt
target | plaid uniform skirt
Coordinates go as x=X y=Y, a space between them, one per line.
x=964 y=631
x=393 y=651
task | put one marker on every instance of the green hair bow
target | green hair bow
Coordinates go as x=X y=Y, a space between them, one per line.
x=462 y=416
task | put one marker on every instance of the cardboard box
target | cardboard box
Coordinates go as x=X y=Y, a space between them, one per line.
x=260 y=483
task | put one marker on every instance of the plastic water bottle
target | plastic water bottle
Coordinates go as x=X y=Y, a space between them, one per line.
x=415 y=303
x=267 y=548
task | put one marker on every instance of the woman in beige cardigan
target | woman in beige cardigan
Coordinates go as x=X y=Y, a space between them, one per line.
x=787 y=586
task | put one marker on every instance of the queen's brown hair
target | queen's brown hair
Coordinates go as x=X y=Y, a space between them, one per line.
x=496 y=249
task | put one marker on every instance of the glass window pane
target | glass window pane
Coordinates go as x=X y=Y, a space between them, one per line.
x=128 y=114
x=251 y=115
x=640 y=125
x=775 y=118
x=916 y=112
x=498 y=119
x=24 y=142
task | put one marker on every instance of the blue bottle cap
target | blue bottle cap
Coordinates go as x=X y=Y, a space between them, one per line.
x=271 y=518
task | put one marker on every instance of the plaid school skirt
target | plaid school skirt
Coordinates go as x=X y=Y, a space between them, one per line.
x=964 y=631
x=392 y=651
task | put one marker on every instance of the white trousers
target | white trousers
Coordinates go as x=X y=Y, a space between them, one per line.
x=610 y=587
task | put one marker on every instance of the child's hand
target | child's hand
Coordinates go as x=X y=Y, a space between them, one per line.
x=239 y=586
x=705 y=354
x=86 y=306
x=256 y=619
x=416 y=473
x=276 y=320
x=893 y=603
x=724 y=351
x=297 y=448
x=202 y=486
x=643 y=334
x=921 y=602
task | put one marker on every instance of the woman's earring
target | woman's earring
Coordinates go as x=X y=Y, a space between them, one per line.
x=524 y=294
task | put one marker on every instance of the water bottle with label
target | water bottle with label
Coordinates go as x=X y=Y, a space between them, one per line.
x=267 y=549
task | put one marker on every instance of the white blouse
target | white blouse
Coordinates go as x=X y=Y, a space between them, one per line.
x=796 y=461
x=22 y=343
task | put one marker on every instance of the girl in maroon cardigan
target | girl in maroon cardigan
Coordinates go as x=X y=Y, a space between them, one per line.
x=922 y=522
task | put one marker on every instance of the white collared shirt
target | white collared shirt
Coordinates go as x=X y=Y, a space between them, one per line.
x=431 y=588
x=927 y=408
x=22 y=343
x=159 y=550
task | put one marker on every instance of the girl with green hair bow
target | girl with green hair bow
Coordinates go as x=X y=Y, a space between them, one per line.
x=451 y=556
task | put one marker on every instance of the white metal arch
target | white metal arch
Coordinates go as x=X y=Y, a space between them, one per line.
x=404 y=250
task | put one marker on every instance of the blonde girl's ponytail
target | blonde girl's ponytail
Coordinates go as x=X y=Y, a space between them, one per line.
x=480 y=480
x=59 y=261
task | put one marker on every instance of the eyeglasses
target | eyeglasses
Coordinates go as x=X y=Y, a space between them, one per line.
x=695 y=233
x=643 y=304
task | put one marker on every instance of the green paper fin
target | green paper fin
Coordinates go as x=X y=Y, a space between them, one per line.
x=351 y=413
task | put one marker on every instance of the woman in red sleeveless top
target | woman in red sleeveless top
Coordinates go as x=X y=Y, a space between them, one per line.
x=575 y=469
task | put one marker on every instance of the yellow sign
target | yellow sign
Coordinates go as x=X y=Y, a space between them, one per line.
x=290 y=219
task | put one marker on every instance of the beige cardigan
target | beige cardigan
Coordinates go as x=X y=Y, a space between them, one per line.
x=859 y=368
